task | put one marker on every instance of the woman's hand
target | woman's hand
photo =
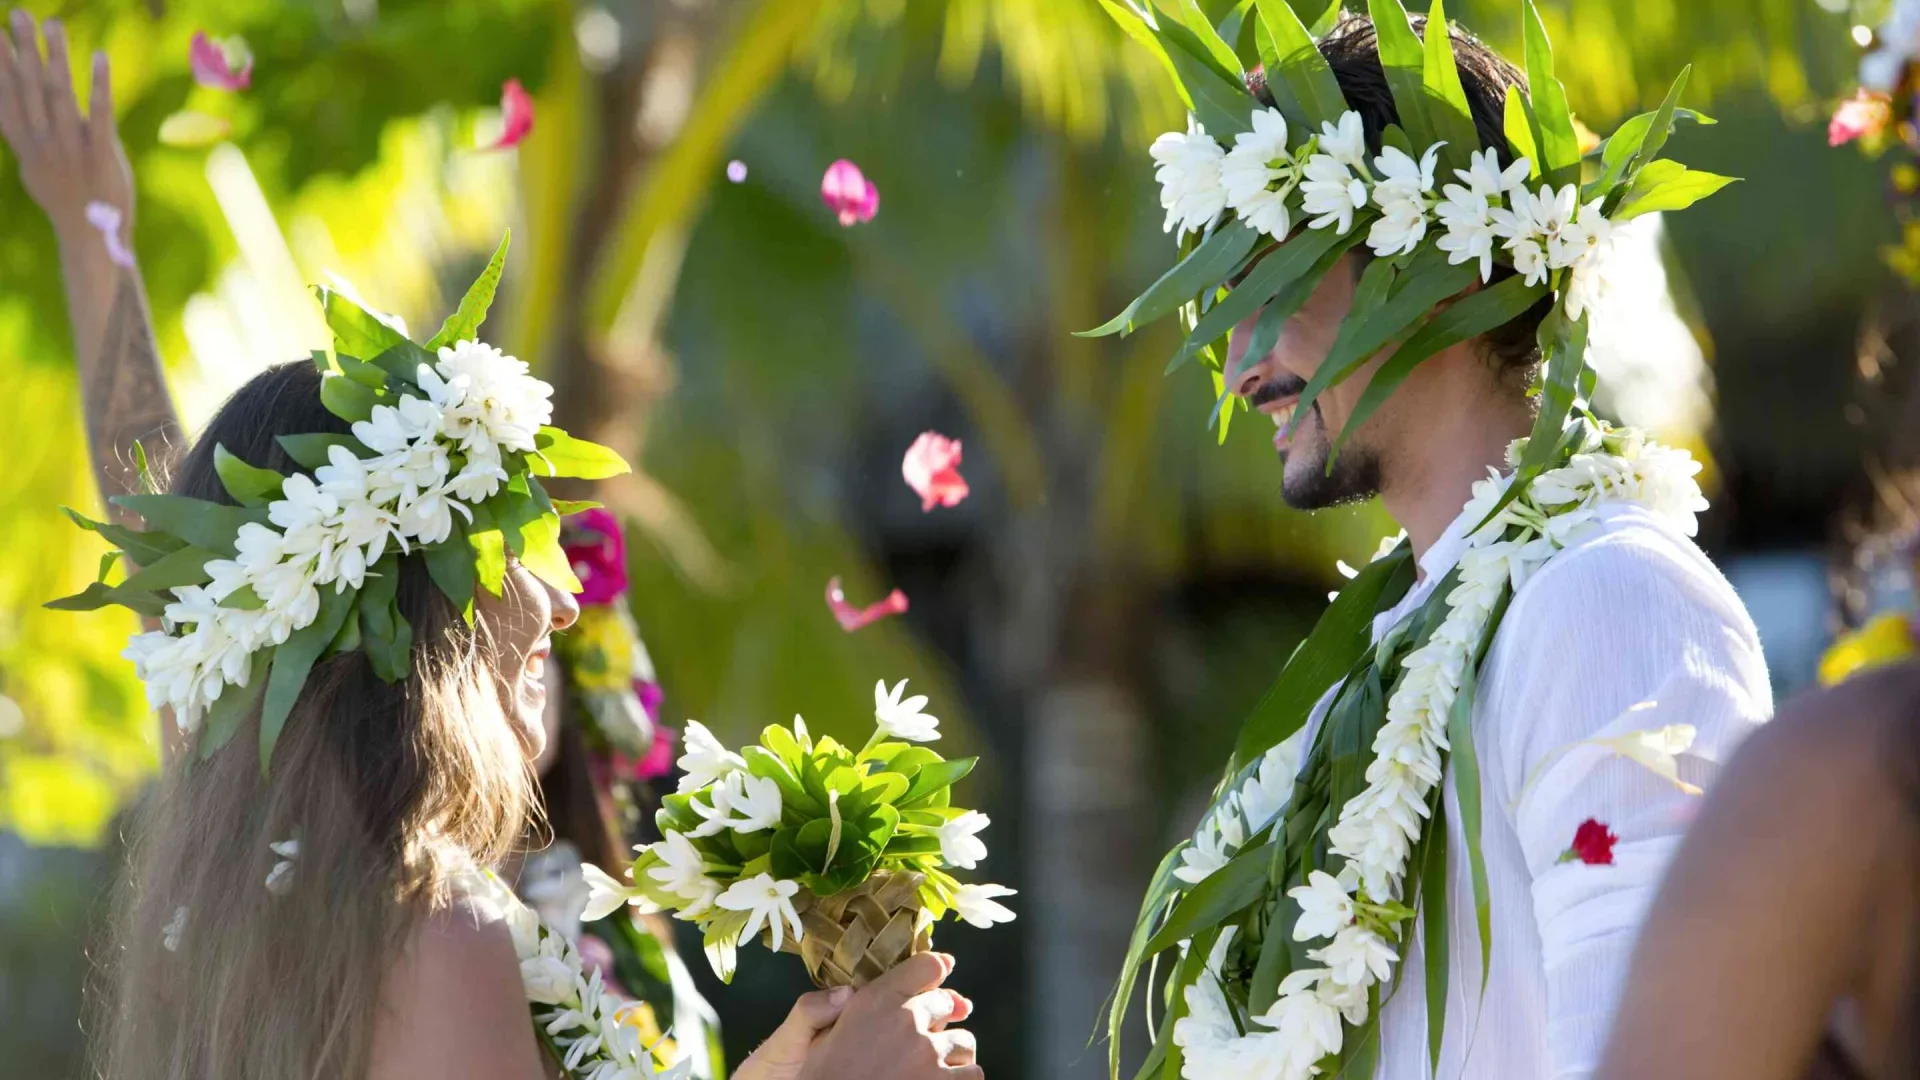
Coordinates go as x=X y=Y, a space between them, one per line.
x=66 y=160
x=894 y=1029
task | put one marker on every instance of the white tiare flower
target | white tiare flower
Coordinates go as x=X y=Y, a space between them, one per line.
x=1259 y=175
x=1331 y=193
x=716 y=815
x=171 y=933
x=546 y=976
x=1325 y=907
x=1470 y=231
x=703 y=759
x=280 y=878
x=606 y=896
x=1305 y=1029
x=1266 y=793
x=1207 y=1028
x=1356 y=957
x=1189 y=176
x=1657 y=749
x=395 y=428
x=753 y=803
x=302 y=505
x=768 y=902
x=683 y=872
x=1345 y=141
x=1200 y=859
x=960 y=844
x=1403 y=196
x=903 y=719
x=1484 y=176
x=488 y=395
x=976 y=904
x=1586 y=284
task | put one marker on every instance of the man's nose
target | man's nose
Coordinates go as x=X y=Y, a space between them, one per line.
x=1243 y=371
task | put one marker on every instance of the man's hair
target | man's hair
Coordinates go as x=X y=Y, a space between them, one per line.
x=1353 y=51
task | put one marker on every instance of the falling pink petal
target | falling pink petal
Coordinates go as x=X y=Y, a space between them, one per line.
x=1866 y=113
x=848 y=193
x=852 y=618
x=737 y=171
x=213 y=67
x=932 y=470
x=106 y=218
x=516 y=115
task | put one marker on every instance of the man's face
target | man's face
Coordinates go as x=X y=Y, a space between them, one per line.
x=1272 y=385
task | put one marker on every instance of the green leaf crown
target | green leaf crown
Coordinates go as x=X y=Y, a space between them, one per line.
x=450 y=440
x=1268 y=198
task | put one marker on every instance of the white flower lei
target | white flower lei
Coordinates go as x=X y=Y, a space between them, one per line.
x=1378 y=828
x=590 y=1031
x=331 y=528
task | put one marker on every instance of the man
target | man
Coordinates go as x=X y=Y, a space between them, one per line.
x=1620 y=631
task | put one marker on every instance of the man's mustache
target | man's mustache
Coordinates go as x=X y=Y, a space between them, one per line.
x=1275 y=389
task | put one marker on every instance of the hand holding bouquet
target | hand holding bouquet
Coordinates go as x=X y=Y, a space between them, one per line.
x=837 y=855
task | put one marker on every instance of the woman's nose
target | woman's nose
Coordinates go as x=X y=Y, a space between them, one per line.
x=566 y=610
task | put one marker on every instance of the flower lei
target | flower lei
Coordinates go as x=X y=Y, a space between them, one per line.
x=592 y=1033
x=1357 y=913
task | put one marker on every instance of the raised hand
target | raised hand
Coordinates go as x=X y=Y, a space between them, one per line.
x=896 y=1028
x=67 y=160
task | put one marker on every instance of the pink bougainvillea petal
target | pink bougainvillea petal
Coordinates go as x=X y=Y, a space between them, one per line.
x=660 y=756
x=106 y=218
x=848 y=193
x=737 y=171
x=1592 y=844
x=932 y=470
x=852 y=618
x=213 y=65
x=516 y=116
x=594 y=546
x=1863 y=115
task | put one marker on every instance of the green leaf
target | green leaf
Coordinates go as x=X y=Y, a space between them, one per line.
x=1519 y=128
x=1564 y=344
x=1160 y=889
x=310 y=451
x=1221 y=104
x=1667 y=185
x=1225 y=892
x=363 y=373
x=1662 y=124
x=937 y=776
x=384 y=632
x=1404 y=62
x=1620 y=154
x=1214 y=46
x=356 y=333
x=347 y=399
x=490 y=558
x=291 y=663
x=99 y=595
x=1464 y=767
x=464 y=323
x=107 y=563
x=1466 y=318
x=1300 y=68
x=1368 y=330
x=1283 y=266
x=204 y=524
x=187 y=566
x=533 y=535
x=563 y=507
x=1552 y=119
x=402 y=362
x=1446 y=99
x=249 y=485
x=1238 y=28
x=1137 y=29
x=141 y=547
x=143 y=469
x=453 y=565
x=560 y=454
x=1191 y=969
x=1206 y=266
x=234 y=704
x=1433 y=926
x=1338 y=639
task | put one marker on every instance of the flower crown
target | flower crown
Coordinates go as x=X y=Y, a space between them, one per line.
x=1243 y=174
x=449 y=440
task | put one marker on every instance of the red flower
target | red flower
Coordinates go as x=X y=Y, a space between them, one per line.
x=1592 y=844
x=213 y=67
x=932 y=469
x=852 y=618
x=1866 y=113
x=848 y=193
x=516 y=115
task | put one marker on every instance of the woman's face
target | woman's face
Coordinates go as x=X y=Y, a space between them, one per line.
x=523 y=619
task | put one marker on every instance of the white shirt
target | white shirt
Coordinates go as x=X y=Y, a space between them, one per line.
x=1629 y=629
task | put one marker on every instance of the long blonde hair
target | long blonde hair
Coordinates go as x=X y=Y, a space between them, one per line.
x=390 y=790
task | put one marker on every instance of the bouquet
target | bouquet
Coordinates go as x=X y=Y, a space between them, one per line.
x=840 y=856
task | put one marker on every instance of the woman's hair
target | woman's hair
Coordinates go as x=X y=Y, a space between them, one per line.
x=389 y=789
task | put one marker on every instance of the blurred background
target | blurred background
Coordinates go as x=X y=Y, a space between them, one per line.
x=1122 y=583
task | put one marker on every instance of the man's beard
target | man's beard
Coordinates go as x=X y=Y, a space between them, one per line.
x=1307 y=484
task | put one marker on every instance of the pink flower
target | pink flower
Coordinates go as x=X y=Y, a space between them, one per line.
x=516 y=116
x=1592 y=844
x=852 y=618
x=597 y=955
x=1867 y=113
x=848 y=193
x=737 y=171
x=594 y=545
x=106 y=218
x=932 y=470
x=659 y=759
x=213 y=65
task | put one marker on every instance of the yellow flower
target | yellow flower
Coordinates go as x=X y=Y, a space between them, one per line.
x=640 y=1016
x=1885 y=639
x=598 y=651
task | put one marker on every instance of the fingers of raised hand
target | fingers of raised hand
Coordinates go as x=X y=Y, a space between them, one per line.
x=29 y=80
x=100 y=108
x=933 y=1010
x=956 y=1048
x=63 y=109
x=912 y=976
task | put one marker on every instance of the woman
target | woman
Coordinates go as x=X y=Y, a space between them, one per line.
x=304 y=915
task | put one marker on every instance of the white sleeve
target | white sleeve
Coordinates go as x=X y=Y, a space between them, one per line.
x=1633 y=631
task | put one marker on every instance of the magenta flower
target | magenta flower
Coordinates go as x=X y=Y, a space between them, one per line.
x=852 y=618
x=848 y=193
x=516 y=116
x=1865 y=114
x=932 y=470
x=660 y=756
x=598 y=552
x=106 y=218
x=213 y=65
